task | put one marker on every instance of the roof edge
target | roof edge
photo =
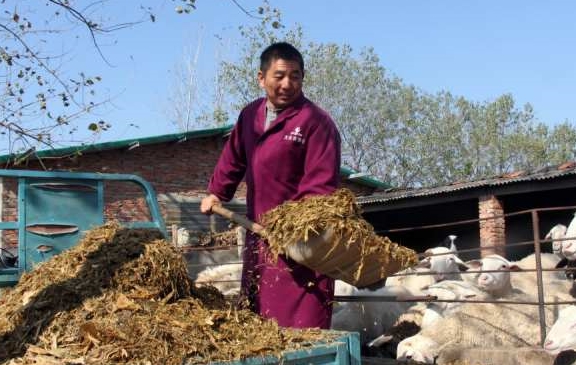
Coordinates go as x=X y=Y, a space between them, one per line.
x=363 y=179
x=126 y=143
x=350 y=174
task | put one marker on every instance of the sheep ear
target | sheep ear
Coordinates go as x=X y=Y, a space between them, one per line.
x=428 y=253
x=515 y=268
x=474 y=264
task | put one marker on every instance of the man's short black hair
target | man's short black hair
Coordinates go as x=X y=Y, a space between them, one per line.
x=280 y=50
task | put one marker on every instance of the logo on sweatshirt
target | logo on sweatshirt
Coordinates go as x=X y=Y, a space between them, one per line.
x=296 y=136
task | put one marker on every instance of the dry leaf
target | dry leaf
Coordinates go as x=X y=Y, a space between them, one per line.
x=123 y=303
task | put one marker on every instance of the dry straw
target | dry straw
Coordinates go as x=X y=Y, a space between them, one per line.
x=123 y=296
x=297 y=221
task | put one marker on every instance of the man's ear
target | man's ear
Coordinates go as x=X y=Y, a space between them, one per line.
x=261 y=79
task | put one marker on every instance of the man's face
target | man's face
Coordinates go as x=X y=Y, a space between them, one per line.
x=282 y=82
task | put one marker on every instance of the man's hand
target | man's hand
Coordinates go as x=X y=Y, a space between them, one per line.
x=208 y=202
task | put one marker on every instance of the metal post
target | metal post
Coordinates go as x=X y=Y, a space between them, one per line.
x=537 y=252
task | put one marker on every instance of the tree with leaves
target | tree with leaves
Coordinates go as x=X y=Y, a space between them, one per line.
x=395 y=131
x=42 y=100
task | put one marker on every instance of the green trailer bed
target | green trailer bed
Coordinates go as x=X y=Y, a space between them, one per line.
x=345 y=350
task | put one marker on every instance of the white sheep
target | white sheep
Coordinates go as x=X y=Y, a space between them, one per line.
x=418 y=316
x=562 y=335
x=512 y=279
x=413 y=279
x=556 y=233
x=568 y=249
x=477 y=326
x=425 y=314
x=370 y=319
x=497 y=284
x=442 y=262
x=226 y=278
x=547 y=260
x=491 y=285
x=383 y=322
x=526 y=281
x=449 y=290
x=418 y=348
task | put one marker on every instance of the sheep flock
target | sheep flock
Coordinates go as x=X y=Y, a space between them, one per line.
x=467 y=306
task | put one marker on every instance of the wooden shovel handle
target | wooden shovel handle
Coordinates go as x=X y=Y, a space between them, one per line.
x=237 y=218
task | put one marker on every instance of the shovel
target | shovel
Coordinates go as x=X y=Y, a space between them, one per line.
x=338 y=260
x=237 y=218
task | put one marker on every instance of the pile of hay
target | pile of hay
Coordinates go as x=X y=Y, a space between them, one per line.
x=297 y=221
x=123 y=296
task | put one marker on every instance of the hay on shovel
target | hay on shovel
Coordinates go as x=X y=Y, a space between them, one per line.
x=123 y=296
x=354 y=253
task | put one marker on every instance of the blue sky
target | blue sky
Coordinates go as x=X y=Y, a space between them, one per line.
x=476 y=49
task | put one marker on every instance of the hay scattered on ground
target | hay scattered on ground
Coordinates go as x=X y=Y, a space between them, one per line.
x=123 y=296
x=296 y=221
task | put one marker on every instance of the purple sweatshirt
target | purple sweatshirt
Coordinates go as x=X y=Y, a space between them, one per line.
x=298 y=155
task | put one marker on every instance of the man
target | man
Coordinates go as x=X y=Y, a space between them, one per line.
x=287 y=148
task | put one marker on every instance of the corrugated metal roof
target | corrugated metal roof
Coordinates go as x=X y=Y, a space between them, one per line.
x=549 y=172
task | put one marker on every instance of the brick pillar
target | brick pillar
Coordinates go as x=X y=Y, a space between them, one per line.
x=492 y=231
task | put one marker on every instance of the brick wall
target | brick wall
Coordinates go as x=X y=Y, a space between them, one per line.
x=170 y=167
x=492 y=225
